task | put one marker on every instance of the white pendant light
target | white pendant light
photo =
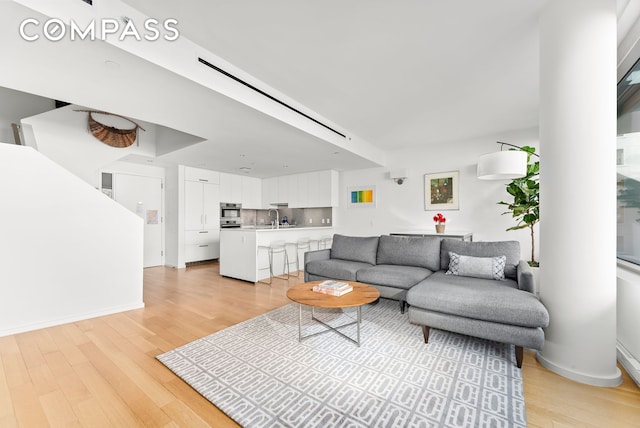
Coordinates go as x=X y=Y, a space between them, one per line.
x=503 y=165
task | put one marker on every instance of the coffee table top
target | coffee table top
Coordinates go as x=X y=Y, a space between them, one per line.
x=361 y=295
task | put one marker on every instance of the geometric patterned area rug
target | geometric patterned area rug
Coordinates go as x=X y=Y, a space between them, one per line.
x=260 y=375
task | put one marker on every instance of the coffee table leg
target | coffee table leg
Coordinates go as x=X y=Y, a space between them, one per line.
x=300 y=322
x=359 y=318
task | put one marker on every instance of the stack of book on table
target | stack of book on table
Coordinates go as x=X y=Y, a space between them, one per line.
x=334 y=288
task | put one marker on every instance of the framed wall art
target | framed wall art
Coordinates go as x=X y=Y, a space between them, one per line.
x=441 y=191
x=361 y=196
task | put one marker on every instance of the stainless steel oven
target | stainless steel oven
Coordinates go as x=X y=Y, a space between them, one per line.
x=230 y=215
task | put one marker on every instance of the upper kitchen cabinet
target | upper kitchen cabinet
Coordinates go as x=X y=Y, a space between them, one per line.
x=269 y=191
x=284 y=189
x=201 y=175
x=323 y=189
x=230 y=188
x=307 y=190
x=240 y=189
x=251 y=192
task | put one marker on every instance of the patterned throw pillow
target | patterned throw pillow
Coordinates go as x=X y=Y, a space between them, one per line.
x=477 y=267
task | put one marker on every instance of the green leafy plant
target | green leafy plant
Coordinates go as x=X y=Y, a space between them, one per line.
x=525 y=207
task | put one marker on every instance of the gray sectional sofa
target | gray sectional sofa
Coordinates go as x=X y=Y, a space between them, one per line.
x=480 y=289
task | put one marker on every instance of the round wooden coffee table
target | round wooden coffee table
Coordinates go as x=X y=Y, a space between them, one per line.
x=304 y=295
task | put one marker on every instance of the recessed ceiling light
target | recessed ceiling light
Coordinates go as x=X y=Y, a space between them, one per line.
x=241 y=156
x=245 y=169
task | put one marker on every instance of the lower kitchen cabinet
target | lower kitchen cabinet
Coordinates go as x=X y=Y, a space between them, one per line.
x=201 y=245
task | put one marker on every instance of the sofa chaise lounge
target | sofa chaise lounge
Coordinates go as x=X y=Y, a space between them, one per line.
x=480 y=289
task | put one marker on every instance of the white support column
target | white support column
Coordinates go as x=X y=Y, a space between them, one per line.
x=577 y=187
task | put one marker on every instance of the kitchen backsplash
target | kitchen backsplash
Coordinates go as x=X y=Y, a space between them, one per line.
x=296 y=216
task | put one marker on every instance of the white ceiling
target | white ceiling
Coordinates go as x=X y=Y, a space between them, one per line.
x=398 y=74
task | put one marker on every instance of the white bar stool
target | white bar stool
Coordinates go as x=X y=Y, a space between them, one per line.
x=325 y=242
x=275 y=248
x=315 y=241
x=304 y=245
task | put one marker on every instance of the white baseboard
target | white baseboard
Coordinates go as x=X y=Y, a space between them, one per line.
x=629 y=362
x=69 y=319
x=570 y=373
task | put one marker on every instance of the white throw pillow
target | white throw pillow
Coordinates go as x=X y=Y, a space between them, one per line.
x=477 y=267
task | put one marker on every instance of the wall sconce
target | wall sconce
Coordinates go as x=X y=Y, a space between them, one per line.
x=398 y=175
x=503 y=165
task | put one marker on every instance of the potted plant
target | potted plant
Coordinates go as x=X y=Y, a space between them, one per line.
x=439 y=219
x=525 y=207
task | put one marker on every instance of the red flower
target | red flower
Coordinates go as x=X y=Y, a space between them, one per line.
x=439 y=218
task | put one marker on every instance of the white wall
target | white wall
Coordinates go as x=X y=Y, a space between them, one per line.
x=63 y=137
x=401 y=207
x=174 y=216
x=67 y=251
x=16 y=105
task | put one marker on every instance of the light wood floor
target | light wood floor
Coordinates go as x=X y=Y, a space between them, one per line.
x=102 y=372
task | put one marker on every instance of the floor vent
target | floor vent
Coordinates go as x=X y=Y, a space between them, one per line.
x=271 y=97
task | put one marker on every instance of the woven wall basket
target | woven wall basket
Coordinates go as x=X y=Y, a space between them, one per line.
x=111 y=136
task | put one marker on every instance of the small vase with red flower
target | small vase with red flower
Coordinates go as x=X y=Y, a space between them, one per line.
x=439 y=219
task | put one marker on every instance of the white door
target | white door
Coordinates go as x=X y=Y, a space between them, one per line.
x=143 y=196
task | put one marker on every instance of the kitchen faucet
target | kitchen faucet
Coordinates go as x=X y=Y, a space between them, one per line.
x=277 y=217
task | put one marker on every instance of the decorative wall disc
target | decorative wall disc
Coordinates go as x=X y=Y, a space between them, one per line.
x=109 y=135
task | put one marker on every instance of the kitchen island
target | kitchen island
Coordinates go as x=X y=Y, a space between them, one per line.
x=241 y=258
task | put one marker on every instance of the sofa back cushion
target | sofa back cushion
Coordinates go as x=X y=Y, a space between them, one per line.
x=355 y=248
x=509 y=249
x=409 y=251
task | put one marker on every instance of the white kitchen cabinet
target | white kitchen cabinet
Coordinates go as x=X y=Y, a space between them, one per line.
x=201 y=245
x=284 y=185
x=202 y=221
x=307 y=190
x=251 y=192
x=230 y=188
x=269 y=191
x=243 y=253
x=201 y=175
x=323 y=189
x=316 y=189
x=298 y=197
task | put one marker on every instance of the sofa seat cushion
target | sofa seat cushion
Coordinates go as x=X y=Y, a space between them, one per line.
x=395 y=276
x=482 y=299
x=335 y=268
x=409 y=251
